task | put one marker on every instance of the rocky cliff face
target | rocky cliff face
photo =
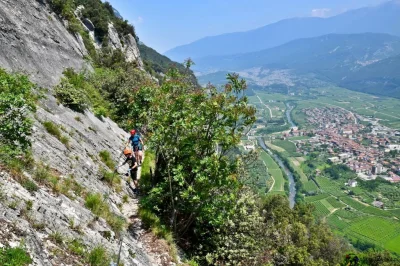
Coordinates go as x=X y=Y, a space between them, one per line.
x=35 y=42
x=129 y=46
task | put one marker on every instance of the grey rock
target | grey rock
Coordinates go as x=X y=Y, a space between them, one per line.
x=34 y=41
x=132 y=52
x=113 y=37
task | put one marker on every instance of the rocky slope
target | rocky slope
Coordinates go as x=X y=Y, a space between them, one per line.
x=34 y=41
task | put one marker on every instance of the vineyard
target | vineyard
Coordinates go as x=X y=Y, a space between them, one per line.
x=335 y=202
x=310 y=186
x=317 y=197
x=320 y=209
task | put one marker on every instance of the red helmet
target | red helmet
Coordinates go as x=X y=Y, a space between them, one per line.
x=133 y=132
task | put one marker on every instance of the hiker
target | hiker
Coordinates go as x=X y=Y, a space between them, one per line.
x=137 y=145
x=133 y=167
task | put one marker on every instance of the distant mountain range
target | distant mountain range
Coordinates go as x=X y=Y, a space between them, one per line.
x=384 y=18
x=358 y=50
x=367 y=62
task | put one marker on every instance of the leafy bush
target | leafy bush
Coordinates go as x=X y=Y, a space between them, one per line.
x=14 y=257
x=71 y=96
x=17 y=102
x=98 y=257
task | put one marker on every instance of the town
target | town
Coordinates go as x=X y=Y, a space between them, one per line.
x=366 y=147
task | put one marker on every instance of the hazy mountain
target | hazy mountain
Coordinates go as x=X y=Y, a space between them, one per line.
x=384 y=18
x=333 y=51
x=382 y=77
x=368 y=62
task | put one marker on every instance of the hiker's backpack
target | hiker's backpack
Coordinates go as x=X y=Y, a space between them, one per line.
x=136 y=140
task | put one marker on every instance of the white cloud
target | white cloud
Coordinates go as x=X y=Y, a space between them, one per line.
x=321 y=12
x=139 y=20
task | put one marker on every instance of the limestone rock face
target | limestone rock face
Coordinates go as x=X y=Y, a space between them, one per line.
x=132 y=50
x=33 y=40
x=113 y=37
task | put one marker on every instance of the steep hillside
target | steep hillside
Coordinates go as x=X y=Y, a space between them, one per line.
x=382 y=78
x=381 y=19
x=60 y=202
x=34 y=40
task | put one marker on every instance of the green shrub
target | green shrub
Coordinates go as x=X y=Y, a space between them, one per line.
x=29 y=185
x=71 y=96
x=14 y=257
x=96 y=204
x=111 y=178
x=98 y=257
x=105 y=157
x=29 y=205
x=65 y=140
x=76 y=247
x=53 y=129
x=57 y=238
x=17 y=101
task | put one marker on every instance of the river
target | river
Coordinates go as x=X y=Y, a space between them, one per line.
x=289 y=118
x=292 y=184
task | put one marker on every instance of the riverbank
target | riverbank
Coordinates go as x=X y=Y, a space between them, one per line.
x=279 y=161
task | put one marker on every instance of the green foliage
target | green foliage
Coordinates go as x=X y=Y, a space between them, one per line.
x=14 y=257
x=111 y=178
x=57 y=238
x=76 y=247
x=52 y=128
x=193 y=183
x=99 y=207
x=340 y=171
x=71 y=96
x=29 y=185
x=17 y=102
x=105 y=157
x=98 y=257
x=156 y=63
x=239 y=240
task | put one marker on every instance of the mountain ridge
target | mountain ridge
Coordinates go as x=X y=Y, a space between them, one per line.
x=379 y=19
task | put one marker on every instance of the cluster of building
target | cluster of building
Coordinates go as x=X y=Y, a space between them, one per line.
x=362 y=144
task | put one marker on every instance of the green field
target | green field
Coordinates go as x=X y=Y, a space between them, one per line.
x=310 y=186
x=380 y=231
x=383 y=108
x=320 y=209
x=275 y=172
x=335 y=202
x=288 y=146
x=361 y=221
x=316 y=198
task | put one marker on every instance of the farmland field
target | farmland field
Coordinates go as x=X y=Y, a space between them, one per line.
x=275 y=172
x=361 y=221
x=320 y=209
x=316 y=198
x=380 y=231
x=310 y=186
x=335 y=203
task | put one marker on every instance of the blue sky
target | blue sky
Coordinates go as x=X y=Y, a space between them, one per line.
x=165 y=24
